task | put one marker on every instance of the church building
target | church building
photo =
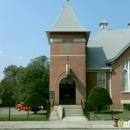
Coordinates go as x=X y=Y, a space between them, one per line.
x=77 y=63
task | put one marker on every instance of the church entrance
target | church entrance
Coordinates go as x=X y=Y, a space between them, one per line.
x=67 y=92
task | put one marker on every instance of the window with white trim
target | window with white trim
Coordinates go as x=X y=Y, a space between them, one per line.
x=126 y=76
x=101 y=79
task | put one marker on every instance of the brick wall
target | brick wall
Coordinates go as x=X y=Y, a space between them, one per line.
x=74 y=55
x=91 y=81
x=117 y=94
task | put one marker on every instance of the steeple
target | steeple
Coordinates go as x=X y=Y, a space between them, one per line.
x=67 y=22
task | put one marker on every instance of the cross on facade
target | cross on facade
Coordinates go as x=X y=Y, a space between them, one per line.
x=67 y=45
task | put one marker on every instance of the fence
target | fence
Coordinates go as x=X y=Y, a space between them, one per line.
x=106 y=114
x=48 y=111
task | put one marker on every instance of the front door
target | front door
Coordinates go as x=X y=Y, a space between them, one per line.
x=67 y=93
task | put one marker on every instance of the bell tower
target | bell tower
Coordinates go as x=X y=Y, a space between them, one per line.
x=67 y=39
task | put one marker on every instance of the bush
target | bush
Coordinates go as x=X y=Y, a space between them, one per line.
x=127 y=107
x=35 y=100
x=100 y=97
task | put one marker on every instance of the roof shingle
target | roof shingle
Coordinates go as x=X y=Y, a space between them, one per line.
x=68 y=21
x=112 y=43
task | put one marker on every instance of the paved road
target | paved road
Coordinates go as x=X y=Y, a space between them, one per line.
x=5 y=110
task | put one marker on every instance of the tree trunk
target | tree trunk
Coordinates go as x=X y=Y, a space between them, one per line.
x=35 y=112
x=99 y=109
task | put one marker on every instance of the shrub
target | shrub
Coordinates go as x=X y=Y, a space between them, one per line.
x=100 y=97
x=127 y=107
x=34 y=100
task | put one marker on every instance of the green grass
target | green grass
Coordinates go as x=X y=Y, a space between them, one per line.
x=40 y=116
x=109 y=115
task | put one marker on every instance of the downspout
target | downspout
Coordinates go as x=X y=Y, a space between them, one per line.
x=111 y=86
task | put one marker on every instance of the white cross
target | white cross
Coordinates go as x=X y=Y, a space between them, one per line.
x=67 y=45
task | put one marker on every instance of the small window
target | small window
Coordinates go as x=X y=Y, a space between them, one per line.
x=101 y=79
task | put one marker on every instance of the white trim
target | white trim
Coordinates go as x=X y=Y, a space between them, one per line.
x=55 y=40
x=125 y=101
x=98 y=70
x=110 y=85
x=118 y=55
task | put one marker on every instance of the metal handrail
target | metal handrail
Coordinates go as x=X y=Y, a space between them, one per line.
x=85 y=108
x=82 y=104
x=63 y=113
x=53 y=103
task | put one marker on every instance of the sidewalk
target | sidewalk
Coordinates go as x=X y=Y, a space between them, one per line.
x=57 y=124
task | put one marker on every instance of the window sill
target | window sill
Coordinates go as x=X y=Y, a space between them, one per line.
x=125 y=91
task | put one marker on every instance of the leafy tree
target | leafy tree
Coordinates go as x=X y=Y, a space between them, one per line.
x=99 y=96
x=19 y=82
x=34 y=100
x=8 y=85
x=35 y=78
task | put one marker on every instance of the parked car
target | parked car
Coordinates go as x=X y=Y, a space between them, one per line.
x=20 y=107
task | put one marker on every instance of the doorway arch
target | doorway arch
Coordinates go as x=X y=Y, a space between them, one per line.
x=67 y=92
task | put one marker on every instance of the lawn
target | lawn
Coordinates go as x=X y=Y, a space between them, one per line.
x=40 y=116
x=109 y=115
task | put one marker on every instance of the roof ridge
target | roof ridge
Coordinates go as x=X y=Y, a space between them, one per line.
x=118 y=54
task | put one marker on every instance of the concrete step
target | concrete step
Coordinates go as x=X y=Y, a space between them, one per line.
x=74 y=114
x=56 y=113
x=73 y=110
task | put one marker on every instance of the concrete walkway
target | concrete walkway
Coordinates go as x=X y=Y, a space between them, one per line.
x=64 y=124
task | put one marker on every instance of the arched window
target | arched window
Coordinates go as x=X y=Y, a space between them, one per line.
x=126 y=76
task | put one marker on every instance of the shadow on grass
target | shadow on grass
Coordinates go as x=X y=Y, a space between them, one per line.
x=38 y=114
x=109 y=112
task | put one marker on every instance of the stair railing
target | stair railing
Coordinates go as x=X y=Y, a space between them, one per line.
x=82 y=104
x=52 y=103
x=85 y=108
x=63 y=112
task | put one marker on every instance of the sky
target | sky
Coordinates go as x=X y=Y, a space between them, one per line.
x=23 y=24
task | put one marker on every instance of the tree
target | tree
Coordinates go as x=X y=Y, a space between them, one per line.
x=8 y=85
x=34 y=100
x=19 y=82
x=99 y=96
x=35 y=78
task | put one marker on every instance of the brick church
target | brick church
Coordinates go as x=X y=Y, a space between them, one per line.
x=77 y=63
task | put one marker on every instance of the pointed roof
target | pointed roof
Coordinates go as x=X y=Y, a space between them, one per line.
x=67 y=22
